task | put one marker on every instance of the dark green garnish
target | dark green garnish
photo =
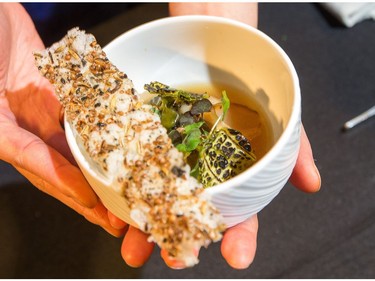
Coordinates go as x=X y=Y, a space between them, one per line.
x=214 y=154
x=201 y=106
x=169 y=117
x=192 y=138
x=175 y=136
x=176 y=95
x=186 y=119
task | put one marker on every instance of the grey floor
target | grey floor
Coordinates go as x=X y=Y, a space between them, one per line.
x=325 y=235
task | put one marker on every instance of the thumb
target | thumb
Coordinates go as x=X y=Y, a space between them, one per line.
x=28 y=152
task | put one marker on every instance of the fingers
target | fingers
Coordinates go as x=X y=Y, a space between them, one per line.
x=238 y=246
x=174 y=263
x=135 y=249
x=305 y=175
x=170 y=262
x=96 y=215
x=52 y=170
x=115 y=221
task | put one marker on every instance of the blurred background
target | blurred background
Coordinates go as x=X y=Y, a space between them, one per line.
x=325 y=235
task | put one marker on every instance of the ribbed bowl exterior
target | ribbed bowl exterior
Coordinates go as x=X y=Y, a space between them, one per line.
x=243 y=200
x=203 y=49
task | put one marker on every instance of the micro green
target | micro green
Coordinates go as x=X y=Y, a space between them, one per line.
x=190 y=134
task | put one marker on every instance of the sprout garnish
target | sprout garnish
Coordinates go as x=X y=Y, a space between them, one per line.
x=214 y=154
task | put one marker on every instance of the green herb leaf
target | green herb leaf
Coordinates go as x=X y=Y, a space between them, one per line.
x=181 y=147
x=190 y=127
x=193 y=139
x=225 y=102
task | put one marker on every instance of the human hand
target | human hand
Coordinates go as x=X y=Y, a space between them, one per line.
x=238 y=245
x=31 y=137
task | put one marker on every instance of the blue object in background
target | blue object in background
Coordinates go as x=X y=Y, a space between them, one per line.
x=40 y=11
x=52 y=20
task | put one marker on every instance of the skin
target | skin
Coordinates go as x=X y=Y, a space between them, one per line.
x=33 y=141
x=238 y=245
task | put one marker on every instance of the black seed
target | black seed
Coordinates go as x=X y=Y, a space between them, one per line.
x=226 y=174
x=238 y=137
x=242 y=142
x=51 y=58
x=177 y=171
x=232 y=131
x=212 y=155
x=97 y=104
x=247 y=147
x=221 y=158
x=229 y=151
x=101 y=125
x=223 y=164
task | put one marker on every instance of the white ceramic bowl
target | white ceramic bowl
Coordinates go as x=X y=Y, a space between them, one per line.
x=201 y=50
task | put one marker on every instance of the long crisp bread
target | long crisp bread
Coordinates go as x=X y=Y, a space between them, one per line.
x=125 y=138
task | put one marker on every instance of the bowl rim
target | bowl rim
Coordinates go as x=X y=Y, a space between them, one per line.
x=294 y=118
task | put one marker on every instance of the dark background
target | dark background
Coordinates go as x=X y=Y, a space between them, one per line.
x=326 y=235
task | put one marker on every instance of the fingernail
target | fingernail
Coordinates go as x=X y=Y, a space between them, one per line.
x=177 y=266
x=318 y=175
x=242 y=262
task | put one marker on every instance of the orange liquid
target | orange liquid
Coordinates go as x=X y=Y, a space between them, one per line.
x=247 y=117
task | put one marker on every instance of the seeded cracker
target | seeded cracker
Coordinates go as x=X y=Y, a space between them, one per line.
x=125 y=138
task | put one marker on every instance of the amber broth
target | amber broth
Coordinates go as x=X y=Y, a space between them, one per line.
x=244 y=115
